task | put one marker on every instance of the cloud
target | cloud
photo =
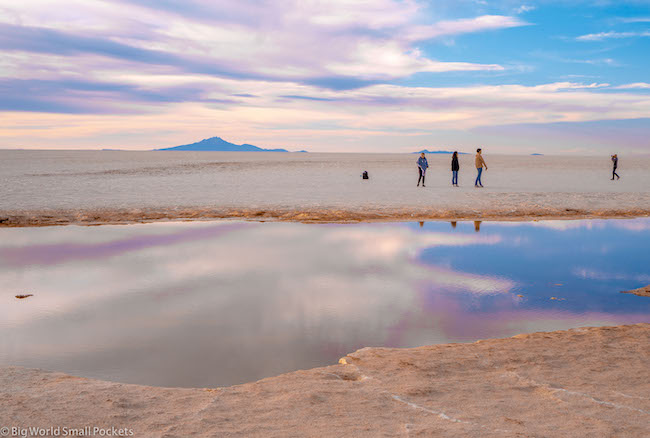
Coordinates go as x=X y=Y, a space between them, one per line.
x=254 y=70
x=179 y=53
x=91 y=97
x=53 y=42
x=462 y=26
x=612 y=35
x=387 y=61
x=635 y=85
x=286 y=114
x=635 y=20
x=276 y=41
x=524 y=8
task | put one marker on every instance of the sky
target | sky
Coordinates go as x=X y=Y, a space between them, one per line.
x=554 y=77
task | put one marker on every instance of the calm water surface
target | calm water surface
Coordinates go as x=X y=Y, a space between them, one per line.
x=220 y=303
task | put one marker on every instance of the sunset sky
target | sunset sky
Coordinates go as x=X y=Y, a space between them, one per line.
x=570 y=77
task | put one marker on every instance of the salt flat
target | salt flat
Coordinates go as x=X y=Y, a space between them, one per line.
x=576 y=383
x=59 y=187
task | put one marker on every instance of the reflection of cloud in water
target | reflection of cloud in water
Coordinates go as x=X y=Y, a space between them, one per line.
x=634 y=224
x=593 y=274
x=251 y=294
x=244 y=302
x=447 y=318
x=638 y=224
x=57 y=253
x=380 y=242
x=338 y=268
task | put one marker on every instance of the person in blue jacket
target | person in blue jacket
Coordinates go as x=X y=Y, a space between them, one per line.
x=422 y=168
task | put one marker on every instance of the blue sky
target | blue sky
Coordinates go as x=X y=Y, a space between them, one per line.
x=565 y=77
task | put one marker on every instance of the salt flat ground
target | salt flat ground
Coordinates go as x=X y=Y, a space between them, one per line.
x=579 y=383
x=105 y=184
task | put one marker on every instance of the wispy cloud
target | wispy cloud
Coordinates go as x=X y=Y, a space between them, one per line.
x=554 y=56
x=612 y=35
x=258 y=40
x=462 y=26
x=278 y=112
x=635 y=85
x=118 y=59
x=635 y=20
x=524 y=8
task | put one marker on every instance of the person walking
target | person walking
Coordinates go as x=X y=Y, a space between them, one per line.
x=615 y=162
x=480 y=163
x=455 y=167
x=423 y=165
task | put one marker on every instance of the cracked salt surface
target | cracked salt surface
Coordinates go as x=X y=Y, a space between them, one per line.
x=431 y=411
x=549 y=387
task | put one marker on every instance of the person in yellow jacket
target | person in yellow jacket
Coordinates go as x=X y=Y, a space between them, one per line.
x=480 y=163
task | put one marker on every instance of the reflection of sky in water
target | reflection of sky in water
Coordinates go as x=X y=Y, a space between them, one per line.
x=585 y=263
x=206 y=304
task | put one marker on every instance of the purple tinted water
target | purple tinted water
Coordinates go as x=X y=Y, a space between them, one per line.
x=220 y=303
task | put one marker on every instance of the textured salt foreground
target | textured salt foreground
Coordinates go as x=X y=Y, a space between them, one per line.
x=95 y=187
x=580 y=382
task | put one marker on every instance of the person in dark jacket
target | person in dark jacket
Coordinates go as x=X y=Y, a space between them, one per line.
x=615 y=163
x=455 y=167
x=422 y=168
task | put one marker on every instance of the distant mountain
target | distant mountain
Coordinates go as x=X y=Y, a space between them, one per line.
x=219 y=144
x=426 y=151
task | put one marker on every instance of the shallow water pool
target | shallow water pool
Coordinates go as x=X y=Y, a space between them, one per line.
x=200 y=304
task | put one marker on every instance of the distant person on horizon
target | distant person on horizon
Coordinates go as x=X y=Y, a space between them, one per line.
x=615 y=162
x=480 y=163
x=423 y=165
x=455 y=167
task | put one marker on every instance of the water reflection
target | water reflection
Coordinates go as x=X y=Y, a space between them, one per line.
x=206 y=304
